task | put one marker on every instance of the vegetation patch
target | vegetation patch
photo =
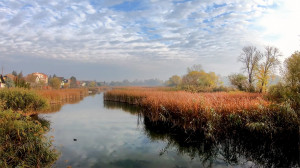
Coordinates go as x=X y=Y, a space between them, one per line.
x=22 y=142
x=24 y=100
x=214 y=113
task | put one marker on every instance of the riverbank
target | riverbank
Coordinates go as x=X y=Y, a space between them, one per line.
x=22 y=139
x=212 y=113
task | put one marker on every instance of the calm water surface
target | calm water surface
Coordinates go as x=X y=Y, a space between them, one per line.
x=94 y=133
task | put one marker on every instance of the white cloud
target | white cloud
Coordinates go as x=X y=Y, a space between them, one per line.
x=164 y=30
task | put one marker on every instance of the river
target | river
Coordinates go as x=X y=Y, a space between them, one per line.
x=94 y=133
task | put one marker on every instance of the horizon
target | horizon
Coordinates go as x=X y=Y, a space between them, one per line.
x=130 y=39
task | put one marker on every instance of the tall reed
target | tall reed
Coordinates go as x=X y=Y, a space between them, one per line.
x=211 y=112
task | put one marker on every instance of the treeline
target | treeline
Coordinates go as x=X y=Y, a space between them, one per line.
x=147 y=82
x=259 y=68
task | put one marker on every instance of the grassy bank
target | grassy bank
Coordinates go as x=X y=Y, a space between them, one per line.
x=22 y=100
x=22 y=140
x=213 y=113
x=62 y=96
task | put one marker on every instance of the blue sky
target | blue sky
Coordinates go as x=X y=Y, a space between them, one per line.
x=140 y=39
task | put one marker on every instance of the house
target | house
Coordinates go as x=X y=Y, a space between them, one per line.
x=65 y=83
x=40 y=77
x=11 y=76
x=2 y=82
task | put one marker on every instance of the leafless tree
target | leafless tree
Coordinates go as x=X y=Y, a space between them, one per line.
x=250 y=57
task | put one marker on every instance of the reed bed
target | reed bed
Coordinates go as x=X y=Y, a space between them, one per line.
x=211 y=112
x=63 y=95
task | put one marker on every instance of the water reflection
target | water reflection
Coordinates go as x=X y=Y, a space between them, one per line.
x=237 y=149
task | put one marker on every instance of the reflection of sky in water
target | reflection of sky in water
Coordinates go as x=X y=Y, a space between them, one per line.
x=108 y=138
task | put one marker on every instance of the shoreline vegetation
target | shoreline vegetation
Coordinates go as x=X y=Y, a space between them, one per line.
x=211 y=113
x=22 y=138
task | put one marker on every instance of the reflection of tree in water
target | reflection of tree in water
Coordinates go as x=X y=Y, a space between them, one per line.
x=279 y=151
x=235 y=149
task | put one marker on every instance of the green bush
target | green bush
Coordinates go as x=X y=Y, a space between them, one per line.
x=24 y=100
x=22 y=142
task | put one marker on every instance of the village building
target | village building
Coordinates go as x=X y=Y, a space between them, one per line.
x=40 y=77
x=2 y=82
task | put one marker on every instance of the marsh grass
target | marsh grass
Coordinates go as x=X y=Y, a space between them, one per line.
x=62 y=96
x=23 y=100
x=22 y=142
x=213 y=113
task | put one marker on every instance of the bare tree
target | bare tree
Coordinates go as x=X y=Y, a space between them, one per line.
x=195 y=67
x=250 y=57
x=267 y=68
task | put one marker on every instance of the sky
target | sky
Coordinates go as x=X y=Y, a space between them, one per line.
x=108 y=40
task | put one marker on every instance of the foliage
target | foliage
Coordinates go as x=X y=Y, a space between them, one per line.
x=175 y=80
x=292 y=72
x=9 y=83
x=92 y=84
x=239 y=81
x=55 y=83
x=22 y=142
x=73 y=82
x=20 y=81
x=19 y=99
x=289 y=91
x=266 y=68
x=200 y=81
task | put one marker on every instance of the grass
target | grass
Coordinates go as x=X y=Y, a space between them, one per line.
x=213 y=113
x=63 y=95
x=22 y=142
x=23 y=100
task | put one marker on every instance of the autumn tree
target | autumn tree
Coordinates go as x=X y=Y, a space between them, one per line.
x=266 y=69
x=239 y=81
x=20 y=81
x=175 y=80
x=9 y=83
x=55 y=83
x=92 y=84
x=200 y=81
x=250 y=58
x=73 y=82
x=292 y=72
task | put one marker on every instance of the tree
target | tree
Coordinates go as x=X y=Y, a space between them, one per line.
x=239 y=81
x=92 y=84
x=175 y=80
x=200 y=80
x=9 y=83
x=14 y=73
x=292 y=72
x=73 y=82
x=250 y=58
x=196 y=67
x=55 y=82
x=266 y=69
x=20 y=81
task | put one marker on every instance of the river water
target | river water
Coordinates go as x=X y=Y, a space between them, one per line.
x=94 y=133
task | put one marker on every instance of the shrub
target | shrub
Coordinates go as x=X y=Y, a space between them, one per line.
x=22 y=142
x=24 y=100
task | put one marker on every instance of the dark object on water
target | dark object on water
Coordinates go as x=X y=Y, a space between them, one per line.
x=74 y=139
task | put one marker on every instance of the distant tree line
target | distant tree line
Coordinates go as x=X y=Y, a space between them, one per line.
x=147 y=82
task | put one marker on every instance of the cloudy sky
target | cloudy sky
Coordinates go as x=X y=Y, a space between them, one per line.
x=140 y=39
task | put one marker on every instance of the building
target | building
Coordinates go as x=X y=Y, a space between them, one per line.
x=2 y=82
x=40 y=77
